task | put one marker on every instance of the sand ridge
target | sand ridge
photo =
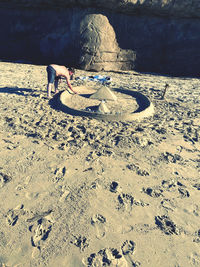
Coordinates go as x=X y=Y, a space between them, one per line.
x=76 y=191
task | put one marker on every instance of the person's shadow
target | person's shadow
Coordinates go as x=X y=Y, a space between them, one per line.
x=54 y=101
x=16 y=90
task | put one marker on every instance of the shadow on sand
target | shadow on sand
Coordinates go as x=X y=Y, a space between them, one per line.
x=16 y=90
x=54 y=102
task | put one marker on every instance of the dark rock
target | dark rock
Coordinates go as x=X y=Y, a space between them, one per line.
x=99 y=47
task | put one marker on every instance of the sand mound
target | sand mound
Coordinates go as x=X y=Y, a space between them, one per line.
x=104 y=93
x=103 y=108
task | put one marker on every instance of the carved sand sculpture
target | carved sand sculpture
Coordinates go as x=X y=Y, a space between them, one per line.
x=106 y=104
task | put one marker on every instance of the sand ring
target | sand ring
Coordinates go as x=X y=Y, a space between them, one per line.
x=129 y=105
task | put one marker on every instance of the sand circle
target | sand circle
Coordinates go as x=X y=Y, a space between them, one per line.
x=106 y=103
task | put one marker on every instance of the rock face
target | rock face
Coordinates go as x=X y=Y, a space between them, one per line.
x=99 y=47
x=175 y=8
x=146 y=35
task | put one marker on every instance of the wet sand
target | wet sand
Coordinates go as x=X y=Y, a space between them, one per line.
x=77 y=191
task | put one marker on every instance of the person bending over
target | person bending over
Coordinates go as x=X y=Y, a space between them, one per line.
x=55 y=73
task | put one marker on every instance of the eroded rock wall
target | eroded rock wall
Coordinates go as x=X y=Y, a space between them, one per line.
x=177 y=8
x=99 y=49
x=153 y=36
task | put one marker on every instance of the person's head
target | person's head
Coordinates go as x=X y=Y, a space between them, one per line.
x=71 y=72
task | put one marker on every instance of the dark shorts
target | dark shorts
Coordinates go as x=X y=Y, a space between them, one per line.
x=51 y=75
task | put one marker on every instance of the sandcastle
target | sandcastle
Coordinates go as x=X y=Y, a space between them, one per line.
x=106 y=104
x=104 y=93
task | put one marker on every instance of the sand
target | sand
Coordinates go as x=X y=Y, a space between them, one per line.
x=75 y=191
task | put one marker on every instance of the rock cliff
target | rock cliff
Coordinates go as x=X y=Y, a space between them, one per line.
x=146 y=35
x=177 y=8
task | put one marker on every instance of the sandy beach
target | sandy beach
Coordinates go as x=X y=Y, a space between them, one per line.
x=76 y=191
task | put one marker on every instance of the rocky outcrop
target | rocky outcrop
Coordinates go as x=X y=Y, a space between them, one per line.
x=159 y=36
x=175 y=8
x=99 y=47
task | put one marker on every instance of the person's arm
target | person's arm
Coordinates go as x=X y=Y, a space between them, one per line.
x=69 y=84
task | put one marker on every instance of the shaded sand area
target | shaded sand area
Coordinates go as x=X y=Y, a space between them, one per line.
x=81 y=192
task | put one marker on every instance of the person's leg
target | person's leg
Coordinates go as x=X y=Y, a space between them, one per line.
x=56 y=85
x=49 y=89
x=51 y=74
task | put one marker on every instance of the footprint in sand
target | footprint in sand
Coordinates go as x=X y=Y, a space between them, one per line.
x=176 y=186
x=12 y=215
x=114 y=187
x=168 y=204
x=64 y=196
x=153 y=192
x=41 y=232
x=183 y=192
x=112 y=257
x=169 y=185
x=166 y=225
x=105 y=257
x=98 y=221
x=80 y=242
x=197 y=186
x=128 y=248
x=59 y=174
x=125 y=202
x=197 y=238
x=137 y=169
x=142 y=141
x=171 y=158
x=40 y=229
x=140 y=203
x=4 y=179
x=10 y=144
